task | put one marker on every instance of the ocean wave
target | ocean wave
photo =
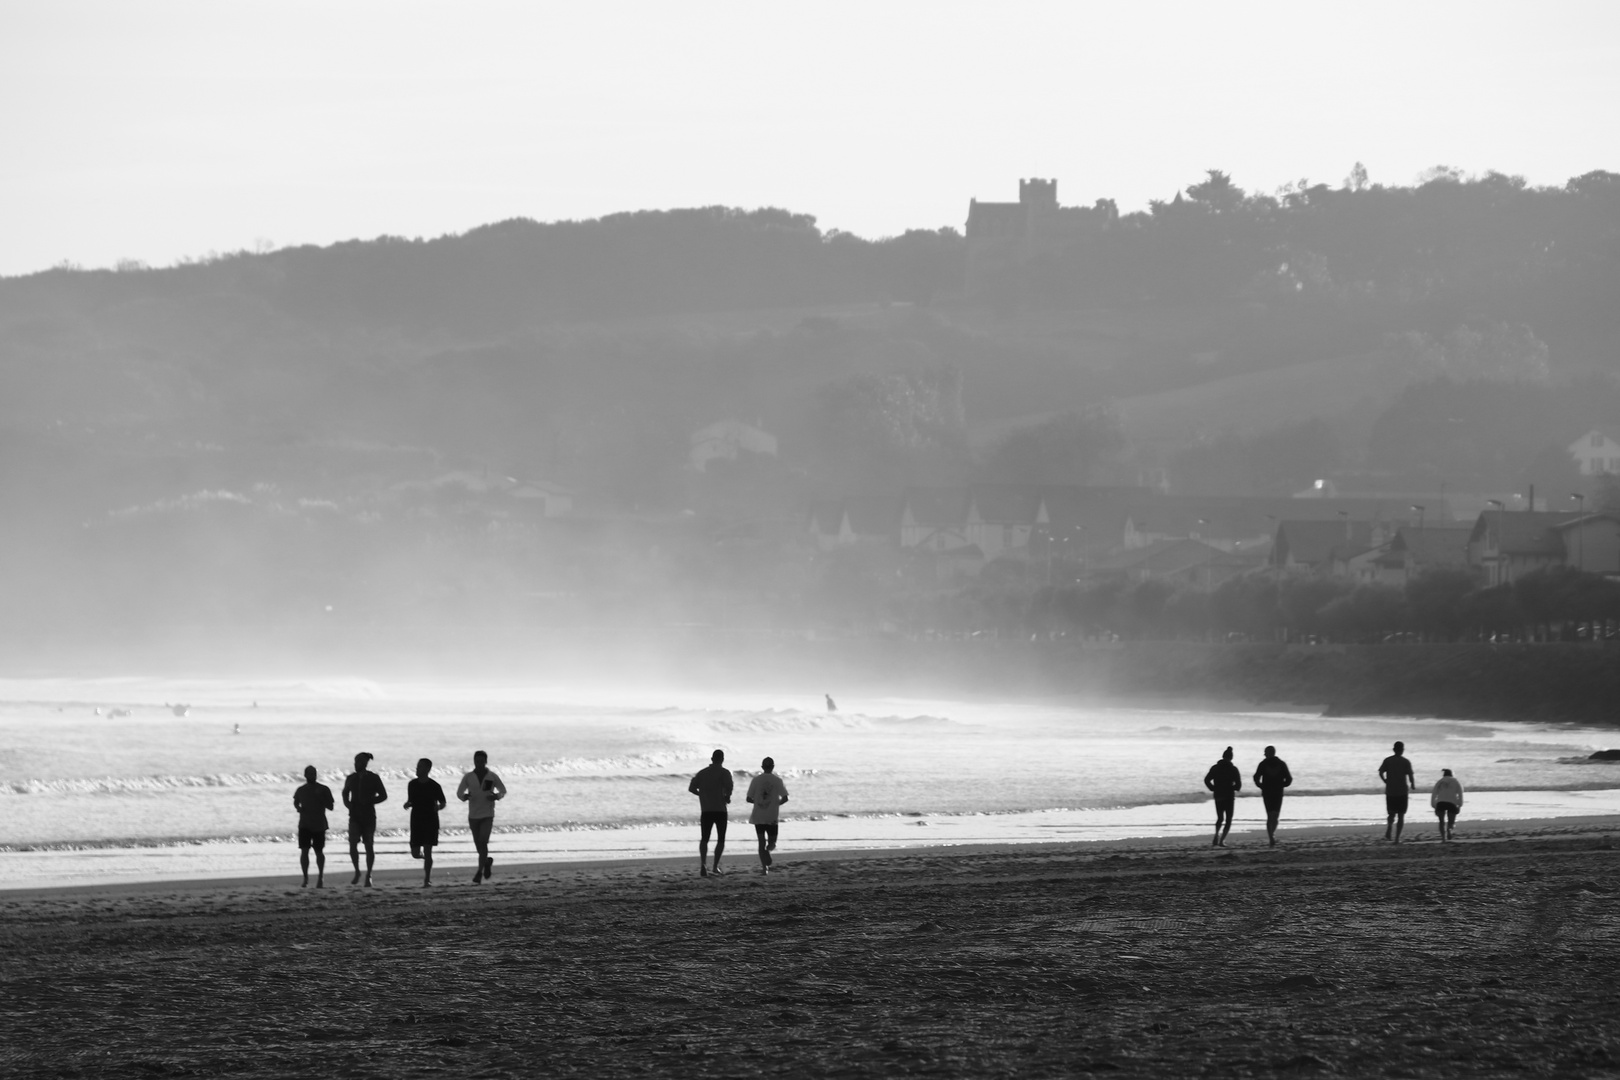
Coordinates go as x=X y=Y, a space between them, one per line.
x=791 y=721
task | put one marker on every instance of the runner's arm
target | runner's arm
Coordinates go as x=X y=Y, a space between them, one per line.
x=382 y=793
x=692 y=788
x=462 y=790
x=1288 y=777
x=1209 y=778
x=500 y=788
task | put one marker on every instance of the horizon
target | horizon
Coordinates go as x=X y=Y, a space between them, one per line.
x=162 y=134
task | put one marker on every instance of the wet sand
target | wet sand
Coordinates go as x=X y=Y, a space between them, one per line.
x=1334 y=954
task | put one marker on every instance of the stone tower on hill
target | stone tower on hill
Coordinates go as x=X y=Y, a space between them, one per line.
x=1008 y=243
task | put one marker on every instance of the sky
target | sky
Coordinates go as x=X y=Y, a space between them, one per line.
x=162 y=130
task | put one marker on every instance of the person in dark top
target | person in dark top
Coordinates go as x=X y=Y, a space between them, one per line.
x=424 y=798
x=312 y=801
x=1396 y=773
x=1225 y=781
x=832 y=706
x=362 y=791
x=1271 y=776
x=712 y=786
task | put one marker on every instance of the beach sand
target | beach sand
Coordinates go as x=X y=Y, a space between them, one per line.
x=1334 y=954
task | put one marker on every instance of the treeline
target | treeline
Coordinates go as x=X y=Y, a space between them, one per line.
x=1441 y=606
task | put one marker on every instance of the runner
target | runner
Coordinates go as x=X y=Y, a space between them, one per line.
x=712 y=786
x=1225 y=781
x=481 y=789
x=767 y=793
x=362 y=792
x=1446 y=798
x=312 y=801
x=1396 y=773
x=424 y=798
x=1271 y=776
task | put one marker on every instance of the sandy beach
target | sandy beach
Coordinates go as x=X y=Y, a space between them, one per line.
x=1334 y=954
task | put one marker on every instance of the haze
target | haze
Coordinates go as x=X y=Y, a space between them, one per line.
x=163 y=130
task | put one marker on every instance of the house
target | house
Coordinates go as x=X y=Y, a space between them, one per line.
x=863 y=520
x=1505 y=545
x=1321 y=547
x=1596 y=452
x=726 y=440
x=1190 y=562
x=1412 y=552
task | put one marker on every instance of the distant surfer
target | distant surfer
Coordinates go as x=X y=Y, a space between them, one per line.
x=1446 y=798
x=1271 y=776
x=1396 y=773
x=832 y=706
x=481 y=789
x=362 y=792
x=181 y=711
x=236 y=729
x=767 y=793
x=712 y=786
x=424 y=798
x=312 y=801
x=1225 y=781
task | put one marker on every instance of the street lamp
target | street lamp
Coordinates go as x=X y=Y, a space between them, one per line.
x=1580 y=538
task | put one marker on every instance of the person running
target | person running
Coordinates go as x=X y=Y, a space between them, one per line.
x=1225 y=781
x=1396 y=773
x=312 y=801
x=767 y=792
x=1271 y=776
x=362 y=792
x=712 y=786
x=424 y=798
x=1446 y=798
x=481 y=789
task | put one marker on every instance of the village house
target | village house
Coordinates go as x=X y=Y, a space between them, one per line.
x=858 y=521
x=1412 y=552
x=1596 y=452
x=1505 y=545
x=1186 y=561
x=726 y=440
x=1322 y=547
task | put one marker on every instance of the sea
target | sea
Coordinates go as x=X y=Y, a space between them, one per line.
x=141 y=779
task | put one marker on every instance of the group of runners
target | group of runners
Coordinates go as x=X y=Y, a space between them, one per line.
x=363 y=792
x=1272 y=777
x=713 y=787
x=481 y=789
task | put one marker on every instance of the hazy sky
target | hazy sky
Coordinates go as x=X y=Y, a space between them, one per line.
x=153 y=130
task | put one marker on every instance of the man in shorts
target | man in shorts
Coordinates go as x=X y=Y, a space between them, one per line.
x=1396 y=773
x=481 y=789
x=362 y=791
x=767 y=792
x=712 y=786
x=1271 y=776
x=312 y=801
x=1225 y=781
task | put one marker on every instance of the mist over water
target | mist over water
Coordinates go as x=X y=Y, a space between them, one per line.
x=615 y=763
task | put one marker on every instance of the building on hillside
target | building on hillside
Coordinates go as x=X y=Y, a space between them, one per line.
x=1188 y=562
x=858 y=521
x=1004 y=238
x=1596 y=452
x=726 y=440
x=467 y=490
x=1322 y=547
x=1245 y=522
x=1505 y=545
x=1412 y=552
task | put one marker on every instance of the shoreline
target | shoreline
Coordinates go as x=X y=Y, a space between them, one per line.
x=1489 y=957
x=741 y=860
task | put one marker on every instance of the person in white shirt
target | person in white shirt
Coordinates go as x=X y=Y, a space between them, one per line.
x=1446 y=798
x=481 y=789
x=767 y=793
